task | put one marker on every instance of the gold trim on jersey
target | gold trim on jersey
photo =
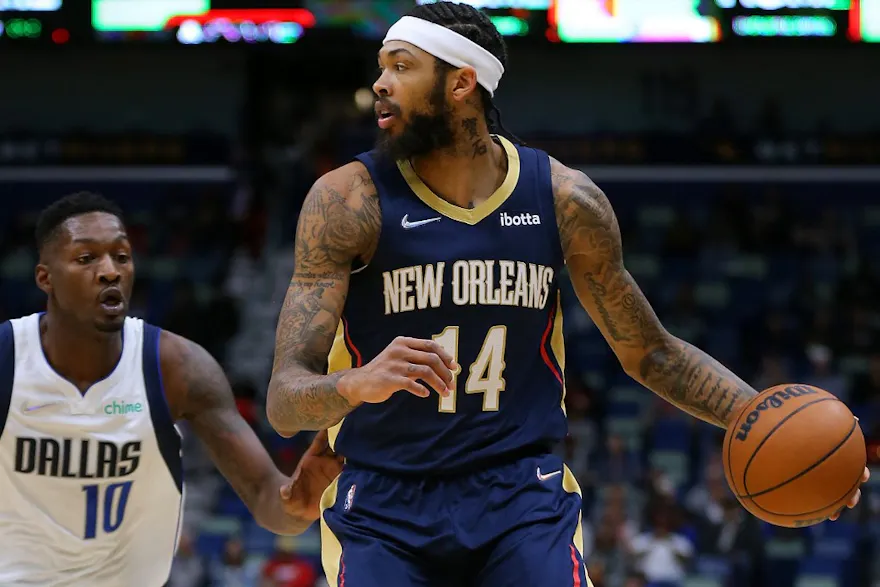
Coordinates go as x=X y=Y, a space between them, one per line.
x=557 y=345
x=481 y=210
x=570 y=484
x=338 y=359
x=331 y=548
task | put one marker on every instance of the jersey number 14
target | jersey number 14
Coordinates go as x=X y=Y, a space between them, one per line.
x=107 y=507
x=485 y=374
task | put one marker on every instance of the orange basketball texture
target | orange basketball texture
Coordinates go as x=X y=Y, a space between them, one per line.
x=794 y=456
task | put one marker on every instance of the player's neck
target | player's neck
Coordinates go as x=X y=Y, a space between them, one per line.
x=466 y=174
x=80 y=357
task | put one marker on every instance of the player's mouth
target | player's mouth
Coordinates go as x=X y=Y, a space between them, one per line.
x=385 y=115
x=112 y=301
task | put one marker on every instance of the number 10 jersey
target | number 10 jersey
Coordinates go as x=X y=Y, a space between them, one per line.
x=91 y=484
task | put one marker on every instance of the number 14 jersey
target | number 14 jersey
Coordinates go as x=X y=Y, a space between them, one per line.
x=481 y=282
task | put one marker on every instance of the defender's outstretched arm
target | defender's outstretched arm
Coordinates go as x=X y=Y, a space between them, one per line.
x=670 y=367
x=339 y=223
x=197 y=391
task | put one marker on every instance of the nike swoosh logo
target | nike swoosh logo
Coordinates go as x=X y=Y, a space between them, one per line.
x=29 y=408
x=406 y=224
x=544 y=476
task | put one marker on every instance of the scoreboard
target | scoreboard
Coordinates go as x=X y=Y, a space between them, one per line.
x=197 y=22
x=712 y=21
x=35 y=21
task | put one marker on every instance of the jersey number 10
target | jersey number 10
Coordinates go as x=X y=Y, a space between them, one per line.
x=485 y=374
x=115 y=494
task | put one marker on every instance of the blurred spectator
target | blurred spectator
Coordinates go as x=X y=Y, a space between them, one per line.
x=660 y=554
x=683 y=238
x=621 y=508
x=139 y=304
x=618 y=463
x=823 y=375
x=222 y=323
x=772 y=334
x=770 y=122
x=188 y=569
x=737 y=538
x=232 y=569
x=186 y=317
x=774 y=371
x=706 y=500
x=606 y=558
x=719 y=121
x=246 y=401
x=866 y=388
x=635 y=580
x=823 y=330
x=861 y=328
x=286 y=568
x=683 y=316
x=768 y=226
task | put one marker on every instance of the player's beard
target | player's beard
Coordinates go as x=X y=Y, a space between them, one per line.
x=424 y=133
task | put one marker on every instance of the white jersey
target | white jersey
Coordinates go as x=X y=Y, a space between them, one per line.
x=90 y=484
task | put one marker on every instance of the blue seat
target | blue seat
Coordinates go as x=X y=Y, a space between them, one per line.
x=816 y=565
x=671 y=435
x=781 y=572
x=723 y=343
x=841 y=549
x=210 y=545
x=624 y=409
x=258 y=540
x=229 y=504
x=839 y=530
x=716 y=566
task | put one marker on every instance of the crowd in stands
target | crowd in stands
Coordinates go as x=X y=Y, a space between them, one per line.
x=779 y=283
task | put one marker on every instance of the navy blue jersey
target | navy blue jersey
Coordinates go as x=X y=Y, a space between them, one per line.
x=482 y=282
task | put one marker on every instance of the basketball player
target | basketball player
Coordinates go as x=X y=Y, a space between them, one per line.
x=90 y=464
x=432 y=263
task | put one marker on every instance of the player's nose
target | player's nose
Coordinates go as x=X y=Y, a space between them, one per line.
x=108 y=272
x=381 y=87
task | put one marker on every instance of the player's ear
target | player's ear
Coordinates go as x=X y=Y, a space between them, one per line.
x=464 y=83
x=42 y=277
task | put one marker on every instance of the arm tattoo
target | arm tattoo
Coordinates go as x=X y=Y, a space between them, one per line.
x=199 y=392
x=677 y=371
x=339 y=223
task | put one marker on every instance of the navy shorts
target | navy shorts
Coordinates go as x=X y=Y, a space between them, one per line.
x=509 y=526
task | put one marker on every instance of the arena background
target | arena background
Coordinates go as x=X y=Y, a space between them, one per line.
x=739 y=141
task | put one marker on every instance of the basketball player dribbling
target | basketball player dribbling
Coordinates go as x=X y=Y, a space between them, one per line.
x=90 y=460
x=432 y=263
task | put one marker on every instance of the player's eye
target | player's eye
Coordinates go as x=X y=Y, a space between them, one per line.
x=84 y=259
x=399 y=66
x=123 y=258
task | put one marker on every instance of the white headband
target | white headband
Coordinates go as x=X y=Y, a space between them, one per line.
x=449 y=46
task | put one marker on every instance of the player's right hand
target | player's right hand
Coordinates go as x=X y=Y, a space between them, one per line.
x=408 y=364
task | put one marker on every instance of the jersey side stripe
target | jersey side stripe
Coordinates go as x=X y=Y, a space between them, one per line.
x=7 y=370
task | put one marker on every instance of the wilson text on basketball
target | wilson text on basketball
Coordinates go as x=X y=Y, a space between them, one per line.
x=773 y=401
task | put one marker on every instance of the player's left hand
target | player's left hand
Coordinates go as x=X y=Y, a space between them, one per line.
x=855 y=498
x=316 y=470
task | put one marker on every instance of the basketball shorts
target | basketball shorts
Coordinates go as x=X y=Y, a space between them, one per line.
x=516 y=525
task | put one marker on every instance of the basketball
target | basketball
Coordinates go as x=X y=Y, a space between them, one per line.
x=794 y=456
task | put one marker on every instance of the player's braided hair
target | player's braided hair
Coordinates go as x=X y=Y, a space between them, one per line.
x=475 y=26
x=69 y=206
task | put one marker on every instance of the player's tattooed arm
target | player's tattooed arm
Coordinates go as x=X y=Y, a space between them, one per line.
x=198 y=391
x=339 y=223
x=674 y=369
